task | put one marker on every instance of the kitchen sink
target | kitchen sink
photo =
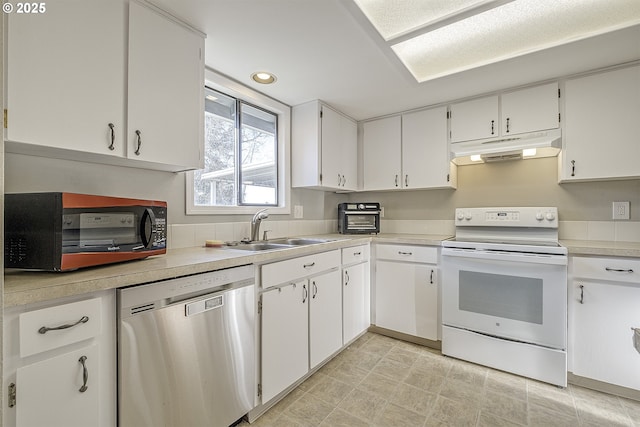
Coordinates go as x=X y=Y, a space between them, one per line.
x=284 y=243
x=299 y=241
x=260 y=246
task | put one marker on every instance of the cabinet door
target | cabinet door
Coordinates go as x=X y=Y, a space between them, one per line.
x=381 y=154
x=407 y=298
x=475 y=119
x=355 y=314
x=349 y=154
x=602 y=335
x=332 y=146
x=66 y=76
x=325 y=316
x=601 y=126
x=425 y=154
x=166 y=90
x=48 y=393
x=530 y=110
x=285 y=337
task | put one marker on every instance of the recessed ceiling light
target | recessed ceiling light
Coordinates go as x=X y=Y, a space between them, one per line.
x=263 y=77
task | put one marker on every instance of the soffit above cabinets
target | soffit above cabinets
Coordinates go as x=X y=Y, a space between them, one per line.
x=437 y=38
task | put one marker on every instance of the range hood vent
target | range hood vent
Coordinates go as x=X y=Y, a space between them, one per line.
x=524 y=146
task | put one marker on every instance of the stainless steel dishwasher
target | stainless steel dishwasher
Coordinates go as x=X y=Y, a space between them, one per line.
x=186 y=350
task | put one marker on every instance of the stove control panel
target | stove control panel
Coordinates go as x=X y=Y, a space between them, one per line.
x=546 y=217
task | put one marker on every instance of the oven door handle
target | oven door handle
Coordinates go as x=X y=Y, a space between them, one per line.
x=550 y=259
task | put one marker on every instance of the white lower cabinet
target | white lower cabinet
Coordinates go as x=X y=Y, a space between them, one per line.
x=285 y=337
x=355 y=292
x=406 y=290
x=604 y=307
x=301 y=319
x=60 y=364
x=325 y=317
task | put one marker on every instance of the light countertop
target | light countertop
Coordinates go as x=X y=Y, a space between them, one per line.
x=24 y=287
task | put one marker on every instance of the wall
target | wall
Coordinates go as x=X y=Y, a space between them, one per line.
x=520 y=183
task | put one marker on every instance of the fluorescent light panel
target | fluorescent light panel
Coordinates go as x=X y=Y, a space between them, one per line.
x=504 y=32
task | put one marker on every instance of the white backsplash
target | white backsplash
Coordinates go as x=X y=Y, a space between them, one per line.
x=190 y=235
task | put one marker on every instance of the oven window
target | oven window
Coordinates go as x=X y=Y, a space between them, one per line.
x=507 y=297
x=361 y=222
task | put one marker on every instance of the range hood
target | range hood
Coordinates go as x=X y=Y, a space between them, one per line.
x=523 y=146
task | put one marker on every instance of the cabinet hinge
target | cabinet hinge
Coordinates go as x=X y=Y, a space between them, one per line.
x=259 y=390
x=260 y=306
x=12 y=392
x=6 y=119
x=448 y=114
x=320 y=178
x=320 y=113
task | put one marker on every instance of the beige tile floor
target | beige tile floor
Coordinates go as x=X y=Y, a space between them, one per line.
x=380 y=381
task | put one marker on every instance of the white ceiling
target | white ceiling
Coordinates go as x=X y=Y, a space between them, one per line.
x=328 y=50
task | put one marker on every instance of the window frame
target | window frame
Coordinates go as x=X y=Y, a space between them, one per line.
x=249 y=96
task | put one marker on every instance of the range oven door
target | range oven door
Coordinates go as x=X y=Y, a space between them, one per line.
x=522 y=297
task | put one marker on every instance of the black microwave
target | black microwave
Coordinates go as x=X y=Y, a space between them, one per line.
x=67 y=231
x=359 y=218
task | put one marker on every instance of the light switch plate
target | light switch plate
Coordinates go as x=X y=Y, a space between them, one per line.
x=298 y=211
x=620 y=210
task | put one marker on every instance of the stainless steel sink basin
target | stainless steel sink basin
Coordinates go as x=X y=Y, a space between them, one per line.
x=294 y=241
x=274 y=244
x=260 y=246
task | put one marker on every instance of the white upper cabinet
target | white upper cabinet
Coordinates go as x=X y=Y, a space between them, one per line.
x=475 y=119
x=408 y=152
x=530 y=110
x=66 y=77
x=166 y=90
x=425 y=152
x=601 y=126
x=521 y=111
x=382 y=154
x=72 y=86
x=324 y=148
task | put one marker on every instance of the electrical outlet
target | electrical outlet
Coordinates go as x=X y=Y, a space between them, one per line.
x=620 y=210
x=298 y=211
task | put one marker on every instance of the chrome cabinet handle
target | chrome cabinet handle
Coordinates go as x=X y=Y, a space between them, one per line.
x=431 y=277
x=315 y=289
x=309 y=265
x=339 y=180
x=396 y=181
x=581 y=294
x=573 y=168
x=344 y=180
x=113 y=137
x=138 y=142
x=305 y=293
x=492 y=126
x=346 y=275
x=45 y=329
x=508 y=124
x=357 y=253
x=406 y=180
x=85 y=374
x=405 y=253
x=619 y=270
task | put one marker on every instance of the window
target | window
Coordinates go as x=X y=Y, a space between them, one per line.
x=244 y=154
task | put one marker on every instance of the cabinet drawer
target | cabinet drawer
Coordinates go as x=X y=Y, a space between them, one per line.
x=355 y=254
x=425 y=254
x=609 y=269
x=294 y=269
x=85 y=316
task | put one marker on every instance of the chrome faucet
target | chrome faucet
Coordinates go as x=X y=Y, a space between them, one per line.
x=255 y=223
